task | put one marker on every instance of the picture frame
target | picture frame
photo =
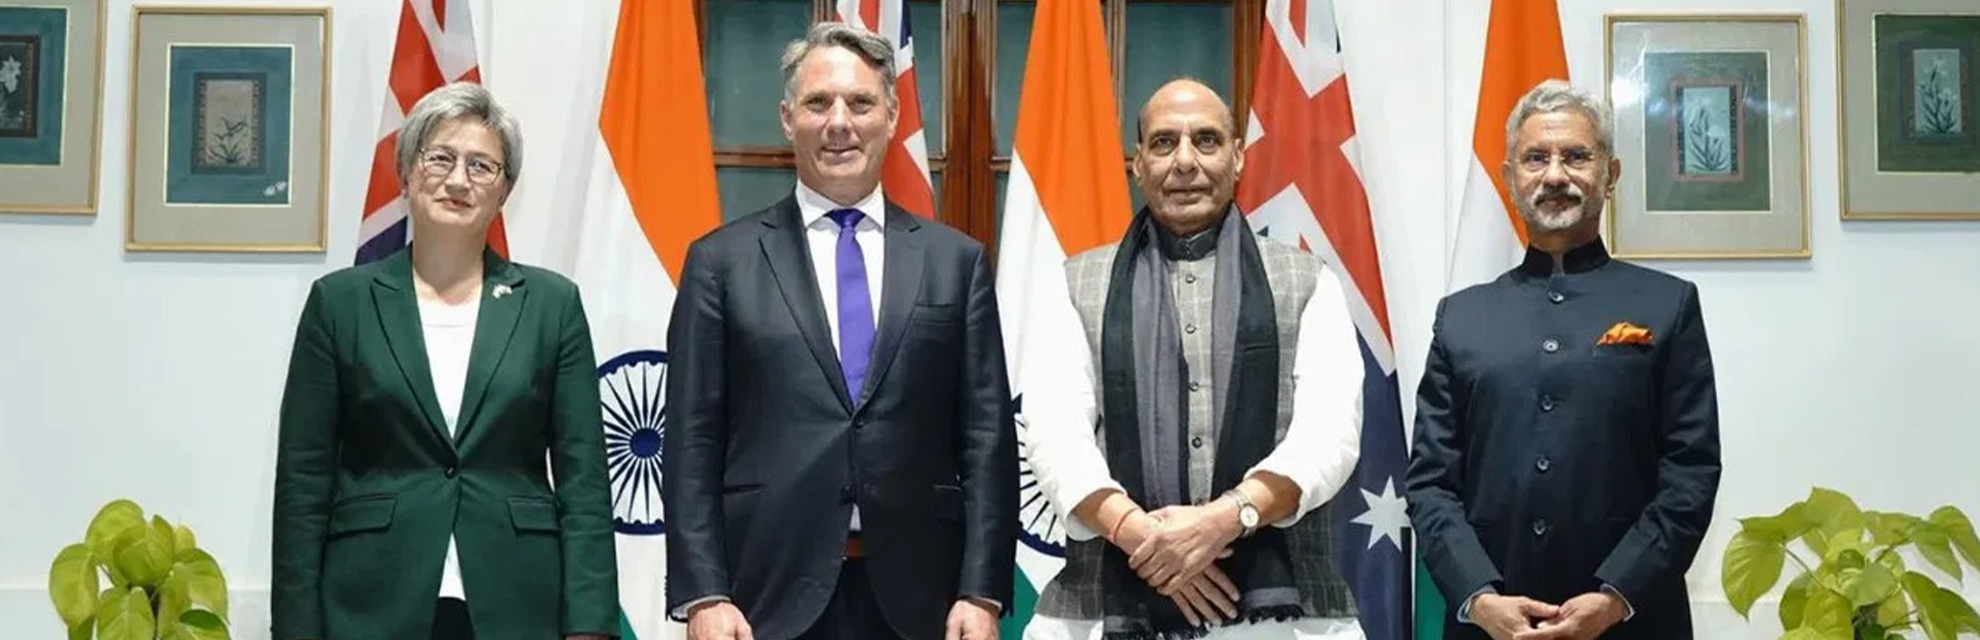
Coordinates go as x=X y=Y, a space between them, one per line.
x=229 y=129
x=1909 y=129
x=1711 y=133
x=51 y=99
x=1710 y=125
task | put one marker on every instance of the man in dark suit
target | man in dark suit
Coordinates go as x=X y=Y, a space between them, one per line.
x=1567 y=428
x=832 y=472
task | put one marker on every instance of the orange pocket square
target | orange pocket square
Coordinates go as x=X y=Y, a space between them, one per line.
x=1625 y=333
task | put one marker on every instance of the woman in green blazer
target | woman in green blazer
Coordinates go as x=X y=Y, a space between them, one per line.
x=413 y=494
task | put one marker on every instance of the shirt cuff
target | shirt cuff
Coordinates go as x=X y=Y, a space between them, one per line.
x=996 y=608
x=680 y=614
x=1464 y=609
x=1629 y=610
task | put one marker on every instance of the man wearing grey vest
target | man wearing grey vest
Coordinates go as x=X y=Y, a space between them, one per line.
x=1209 y=402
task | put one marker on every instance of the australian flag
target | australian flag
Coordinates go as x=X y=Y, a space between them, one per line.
x=1301 y=185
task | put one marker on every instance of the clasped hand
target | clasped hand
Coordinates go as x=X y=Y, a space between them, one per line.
x=1173 y=549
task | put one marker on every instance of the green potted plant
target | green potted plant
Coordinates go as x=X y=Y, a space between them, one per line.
x=1857 y=586
x=162 y=586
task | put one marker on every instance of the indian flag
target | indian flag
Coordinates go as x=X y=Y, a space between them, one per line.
x=651 y=192
x=1522 y=48
x=1067 y=193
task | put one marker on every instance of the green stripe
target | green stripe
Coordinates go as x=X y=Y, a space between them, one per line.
x=625 y=627
x=1023 y=600
x=1429 y=605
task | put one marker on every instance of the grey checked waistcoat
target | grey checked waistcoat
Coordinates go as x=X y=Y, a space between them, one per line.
x=1293 y=275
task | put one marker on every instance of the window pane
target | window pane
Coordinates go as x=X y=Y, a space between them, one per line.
x=1169 y=39
x=925 y=19
x=1013 y=44
x=744 y=190
x=745 y=40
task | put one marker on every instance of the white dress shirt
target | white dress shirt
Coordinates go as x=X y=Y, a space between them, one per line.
x=1317 y=454
x=449 y=333
x=821 y=235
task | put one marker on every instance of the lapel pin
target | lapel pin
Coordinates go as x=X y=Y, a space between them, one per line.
x=501 y=290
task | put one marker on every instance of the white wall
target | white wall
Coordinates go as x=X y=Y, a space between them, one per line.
x=156 y=376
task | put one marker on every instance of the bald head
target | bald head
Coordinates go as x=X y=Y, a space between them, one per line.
x=1186 y=158
x=1185 y=93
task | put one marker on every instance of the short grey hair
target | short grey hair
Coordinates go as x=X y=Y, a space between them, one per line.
x=1554 y=96
x=875 y=49
x=459 y=100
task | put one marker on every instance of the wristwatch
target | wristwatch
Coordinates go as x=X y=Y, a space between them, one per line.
x=1247 y=512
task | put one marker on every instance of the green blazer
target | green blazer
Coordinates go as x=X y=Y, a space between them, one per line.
x=369 y=485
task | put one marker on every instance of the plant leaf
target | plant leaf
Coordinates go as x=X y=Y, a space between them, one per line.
x=1891 y=560
x=1893 y=609
x=1781 y=527
x=1958 y=610
x=113 y=519
x=1846 y=546
x=1932 y=543
x=205 y=587
x=144 y=555
x=84 y=631
x=73 y=584
x=126 y=615
x=1794 y=601
x=200 y=624
x=1827 y=613
x=1868 y=585
x=1889 y=528
x=1937 y=621
x=1752 y=564
x=1960 y=530
x=1805 y=633
x=183 y=539
x=1831 y=511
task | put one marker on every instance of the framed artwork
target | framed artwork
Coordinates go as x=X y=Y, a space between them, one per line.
x=51 y=92
x=229 y=129
x=1909 y=146
x=1710 y=126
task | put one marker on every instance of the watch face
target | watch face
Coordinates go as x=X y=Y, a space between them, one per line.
x=1248 y=516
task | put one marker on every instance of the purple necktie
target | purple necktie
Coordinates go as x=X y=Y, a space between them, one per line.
x=855 y=304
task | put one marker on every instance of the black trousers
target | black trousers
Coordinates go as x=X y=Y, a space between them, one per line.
x=854 y=613
x=450 y=620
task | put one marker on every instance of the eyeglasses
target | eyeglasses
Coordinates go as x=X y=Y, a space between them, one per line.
x=439 y=163
x=1573 y=159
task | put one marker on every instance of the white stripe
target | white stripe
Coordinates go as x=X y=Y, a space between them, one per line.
x=453 y=48
x=1313 y=60
x=1031 y=266
x=1288 y=209
x=1483 y=243
x=917 y=148
x=383 y=219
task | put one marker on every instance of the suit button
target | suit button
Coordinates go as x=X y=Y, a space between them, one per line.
x=1555 y=297
x=1189 y=278
x=1540 y=527
x=1546 y=403
x=845 y=494
x=1542 y=464
x=859 y=423
x=1550 y=345
x=1194 y=385
x=1196 y=442
x=452 y=471
x=1189 y=328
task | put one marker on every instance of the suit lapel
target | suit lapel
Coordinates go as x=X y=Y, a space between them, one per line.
x=900 y=286
x=398 y=314
x=790 y=264
x=502 y=299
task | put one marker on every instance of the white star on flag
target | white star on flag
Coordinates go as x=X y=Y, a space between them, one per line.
x=1386 y=516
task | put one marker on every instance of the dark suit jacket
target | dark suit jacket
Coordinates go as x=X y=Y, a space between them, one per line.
x=1546 y=465
x=368 y=483
x=766 y=454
